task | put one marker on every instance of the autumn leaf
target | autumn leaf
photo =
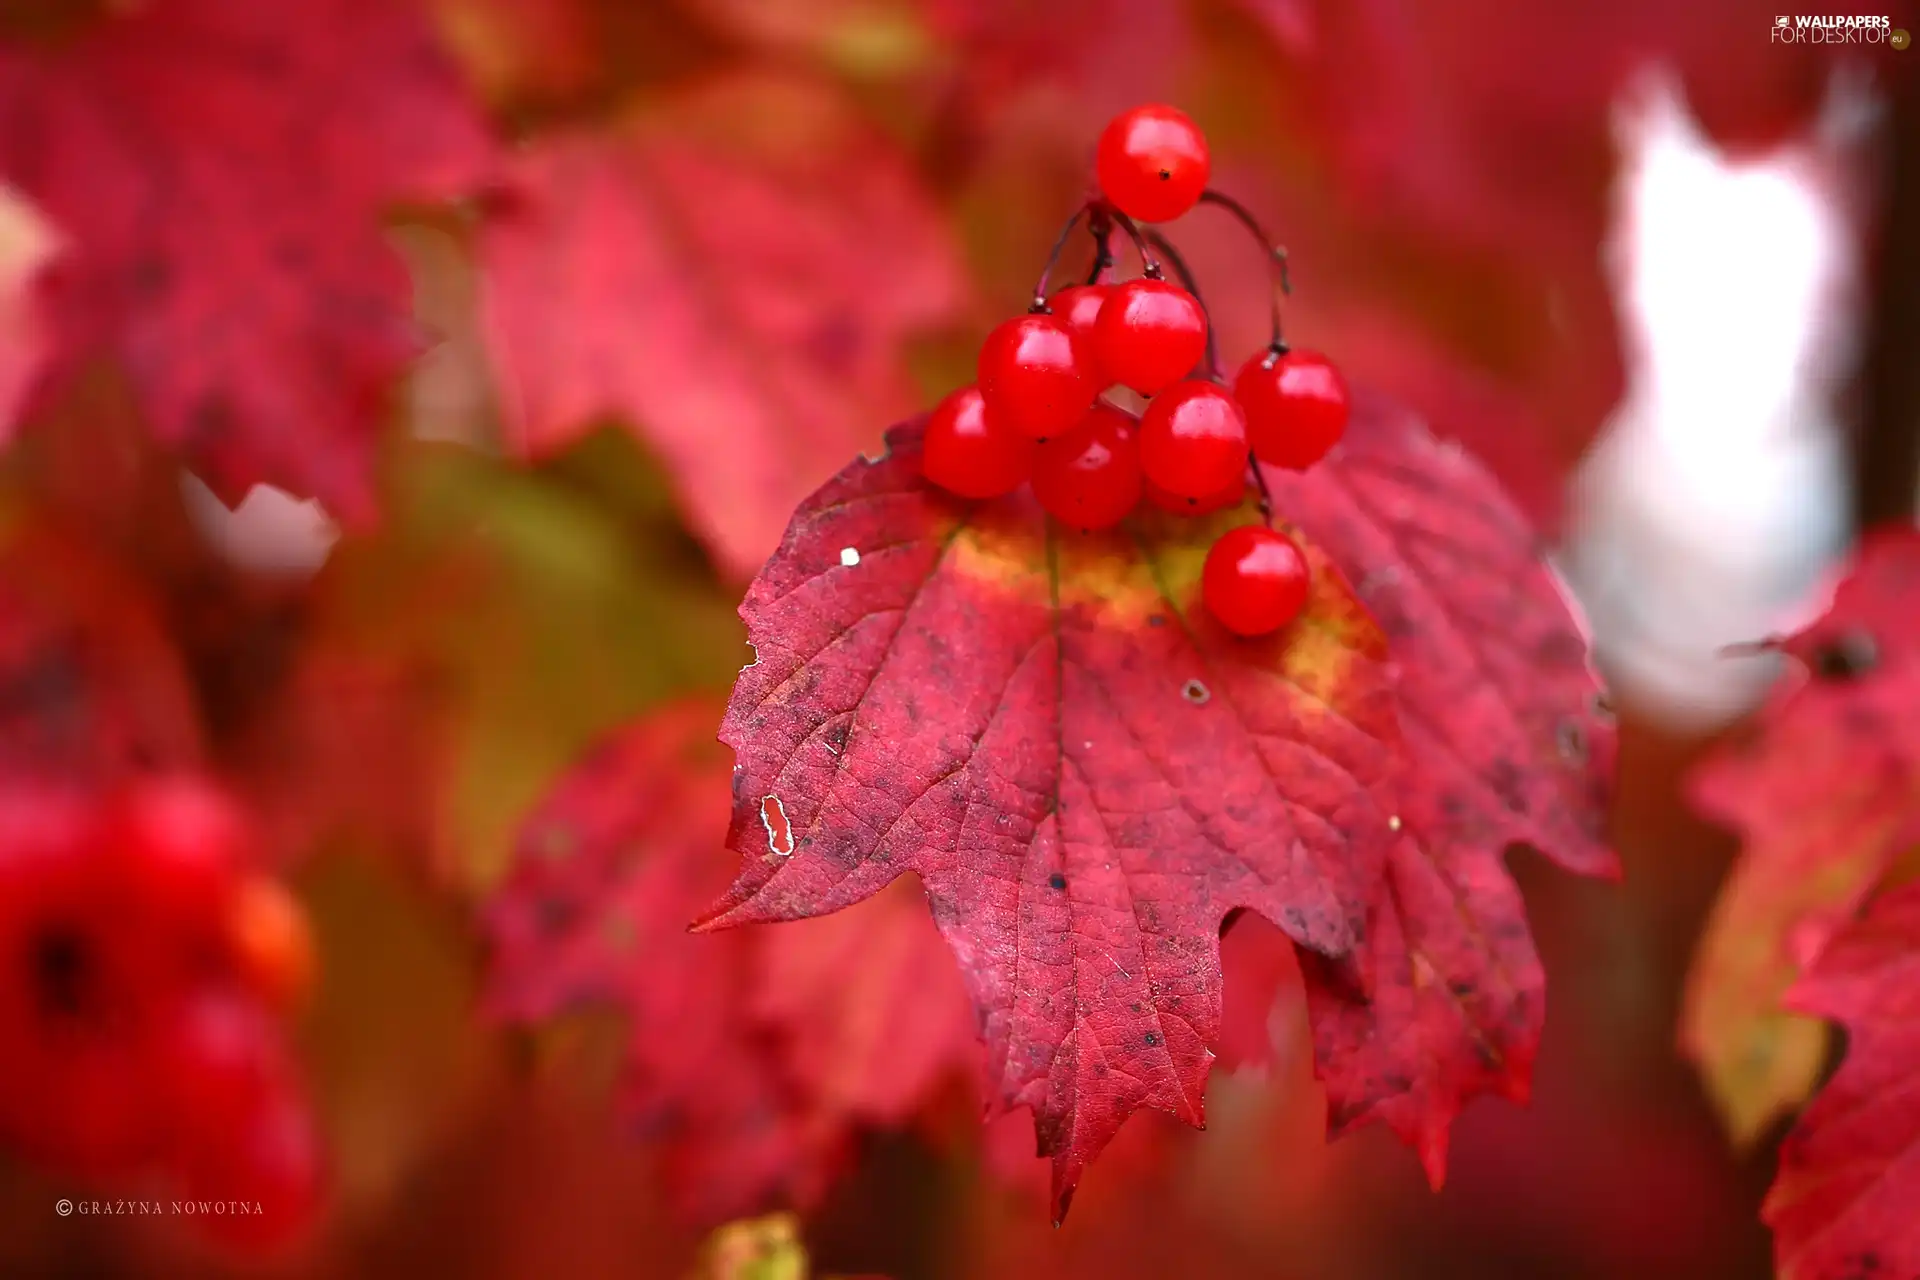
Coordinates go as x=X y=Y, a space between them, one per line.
x=734 y=273
x=1084 y=770
x=1842 y=1205
x=1826 y=796
x=218 y=170
x=1506 y=743
x=92 y=686
x=755 y=1056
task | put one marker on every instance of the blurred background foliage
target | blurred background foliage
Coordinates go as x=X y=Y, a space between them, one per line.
x=1444 y=177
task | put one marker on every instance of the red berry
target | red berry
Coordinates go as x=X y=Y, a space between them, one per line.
x=1150 y=335
x=270 y=942
x=1152 y=162
x=1193 y=440
x=1078 y=307
x=1034 y=376
x=1255 y=580
x=1296 y=408
x=270 y=1172
x=217 y=1059
x=1174 y=504
x=1090 y=477
x=968 y=452
x=180 y=843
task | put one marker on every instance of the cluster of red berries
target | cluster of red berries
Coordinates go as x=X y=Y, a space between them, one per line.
x=1036 y=415
x=144 y=971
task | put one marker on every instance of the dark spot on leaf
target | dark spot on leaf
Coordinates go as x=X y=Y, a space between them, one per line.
x=1166 y=175
x=150 y=277
x=554 y=915
x=210 y=423
x=1845 y=657
x=62 y=970
x=1056 y=881
x=1156 y=620
x=1152 y=1039
x=1601 y=703
x=1509 y=783
x=1572 y=742
x=1561 y=649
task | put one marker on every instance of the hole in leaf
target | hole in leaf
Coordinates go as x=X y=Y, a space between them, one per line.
x=1196 y=693
x=773 y=816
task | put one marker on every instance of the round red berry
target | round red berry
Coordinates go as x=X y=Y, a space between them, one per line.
x=1255 y=580
x=1193 y=440
x=1296 y=407
x=1150 y=334
x=1035 y=377
x=1174 y=504
x=1090 y=477
x=1152 y=162
x=966 y=450
x=274 y=1159
x=270 y=942
x=1079 y=307
x=180 y=843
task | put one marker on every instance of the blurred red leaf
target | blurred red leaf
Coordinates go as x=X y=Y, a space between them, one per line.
x=1826 y=796
x=971 y=694
x=1850 y=1171
x=1429 y=108
x=220 y=169
x=736 y=273
x=754 y=1056
x=92 y=686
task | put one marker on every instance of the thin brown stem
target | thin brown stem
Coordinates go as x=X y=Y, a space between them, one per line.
x=1101 y=226
x=1266 y=494
x=1276 y=259
x=1149 y=265
x=1039 y=304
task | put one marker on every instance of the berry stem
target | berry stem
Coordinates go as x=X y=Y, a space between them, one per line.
x=1266 y=494
x=1101 y=226
x=1099 y=215
x=1192 y=286
x=1149 y=265
x=1276 y=259
x=1039 y=305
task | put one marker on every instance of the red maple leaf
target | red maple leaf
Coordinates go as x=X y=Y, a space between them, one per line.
x=220 y=169
x=1826 y=796
x=1088 y=775
x=1505 y=743
x=754 y=1056
x=733 y=273
x=1843 y=1205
